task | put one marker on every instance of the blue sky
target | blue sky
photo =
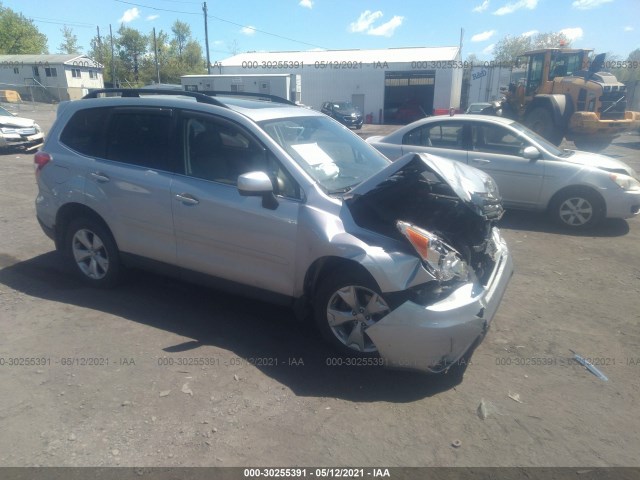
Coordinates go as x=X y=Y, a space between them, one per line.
x=276 y=25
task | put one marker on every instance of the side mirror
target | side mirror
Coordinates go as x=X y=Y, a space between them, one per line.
x=531 y=153
x=258 y=184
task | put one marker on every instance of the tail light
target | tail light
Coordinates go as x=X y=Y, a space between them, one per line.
x=40 y=159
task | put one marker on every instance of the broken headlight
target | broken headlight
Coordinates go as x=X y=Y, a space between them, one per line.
x=441 y=260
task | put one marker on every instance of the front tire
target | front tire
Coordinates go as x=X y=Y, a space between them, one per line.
x=347 y=303
x=578 y=209
x=91 y=253
x=540 y=121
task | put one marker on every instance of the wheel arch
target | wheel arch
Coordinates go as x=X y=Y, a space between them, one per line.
x=68 y=213
x=560 y=106
x=577 y=188
x=320 y=269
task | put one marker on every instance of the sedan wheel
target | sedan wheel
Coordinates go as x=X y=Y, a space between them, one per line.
x=578 y=209
x=347 y=306
x=92 y=252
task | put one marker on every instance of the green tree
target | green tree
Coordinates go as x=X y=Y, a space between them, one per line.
x=181 y=36
x=18 y=34
x=510 y=48
x=100 y=51
x=70 y=41
x=131 y=48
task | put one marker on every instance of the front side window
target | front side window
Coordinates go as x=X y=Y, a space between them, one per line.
x=488 y=138
x=534 y=77
x=329 y=153
x=218 y=150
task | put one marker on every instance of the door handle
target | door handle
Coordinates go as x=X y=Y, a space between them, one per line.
x=187 y=199
x=100 y=177
x=480 y=160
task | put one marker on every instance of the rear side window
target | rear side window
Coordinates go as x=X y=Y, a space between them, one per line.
x=139 y=138
x=83 y=133
x=136 y=136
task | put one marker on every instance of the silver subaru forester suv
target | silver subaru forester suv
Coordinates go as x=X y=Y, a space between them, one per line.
x=398 y=262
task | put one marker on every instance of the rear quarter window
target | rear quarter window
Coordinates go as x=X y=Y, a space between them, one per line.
x=84 y=131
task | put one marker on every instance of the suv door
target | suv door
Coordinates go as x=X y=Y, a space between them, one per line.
x=220 y=232
x=128 y=174
x=498 y=150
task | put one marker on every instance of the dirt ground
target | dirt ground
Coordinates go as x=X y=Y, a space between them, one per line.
x=163 y=373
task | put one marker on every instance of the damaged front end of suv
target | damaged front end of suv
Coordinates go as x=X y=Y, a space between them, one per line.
x=440 y=214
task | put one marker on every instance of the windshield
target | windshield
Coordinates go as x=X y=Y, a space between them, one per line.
x=333 y=156
x=544 y=143
x=343 y=107
x=5 y=113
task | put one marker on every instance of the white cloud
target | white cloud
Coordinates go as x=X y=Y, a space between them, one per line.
x=481 y=37
x=386 y=29
x=482 y=7
x=152 y=17
x=572 y=33
x=129 y=15
x=512 y=7
x=488 y=50
x=306 y=3
x=365 y=20
x=588 y=4
x=248 y=30
x=530 y=33
x=628 y=29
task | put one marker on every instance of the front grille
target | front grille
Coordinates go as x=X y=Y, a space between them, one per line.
x=613 y=106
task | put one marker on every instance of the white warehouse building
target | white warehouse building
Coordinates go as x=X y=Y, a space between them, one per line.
x=391 y=85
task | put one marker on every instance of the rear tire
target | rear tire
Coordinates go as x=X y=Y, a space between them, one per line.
x=91 y=253
x=540 y=121
x=577 y=209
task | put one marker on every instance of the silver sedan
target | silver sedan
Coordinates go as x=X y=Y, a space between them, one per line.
x=578 y=189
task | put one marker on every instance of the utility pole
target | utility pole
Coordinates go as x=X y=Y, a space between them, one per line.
x=206 y=37
x=100 y=57
x=155 y=52
x=113 y=60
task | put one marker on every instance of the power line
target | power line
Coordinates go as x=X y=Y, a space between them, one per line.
x=224 y=21
x=61 y=22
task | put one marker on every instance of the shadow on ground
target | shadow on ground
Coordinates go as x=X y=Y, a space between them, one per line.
x=248 y=328
x=540 y=222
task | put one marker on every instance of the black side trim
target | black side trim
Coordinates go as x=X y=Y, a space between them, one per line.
x=190 y=276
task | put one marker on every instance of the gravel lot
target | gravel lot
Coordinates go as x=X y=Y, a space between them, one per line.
x=163 y=373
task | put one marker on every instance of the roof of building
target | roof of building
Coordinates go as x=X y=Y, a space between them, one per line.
x=389 y=55
x=67 y=59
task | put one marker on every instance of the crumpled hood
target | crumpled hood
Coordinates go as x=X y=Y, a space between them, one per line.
x=474 y=187
x=16 y=122
x=600 y=161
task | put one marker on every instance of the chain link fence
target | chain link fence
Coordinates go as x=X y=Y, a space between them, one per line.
x=32 y=91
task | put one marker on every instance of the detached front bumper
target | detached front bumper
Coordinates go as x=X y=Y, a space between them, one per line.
x=431 y=338
x=17 y=140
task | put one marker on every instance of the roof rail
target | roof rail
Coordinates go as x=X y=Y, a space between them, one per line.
x=137 y=92
x=263 y=96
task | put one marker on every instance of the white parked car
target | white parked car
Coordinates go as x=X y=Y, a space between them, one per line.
x=578 y=189
x=19 y=132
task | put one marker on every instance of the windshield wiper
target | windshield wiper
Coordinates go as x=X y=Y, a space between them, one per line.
x=567 y=153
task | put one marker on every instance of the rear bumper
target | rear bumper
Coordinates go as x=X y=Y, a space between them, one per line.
x=431 y=338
